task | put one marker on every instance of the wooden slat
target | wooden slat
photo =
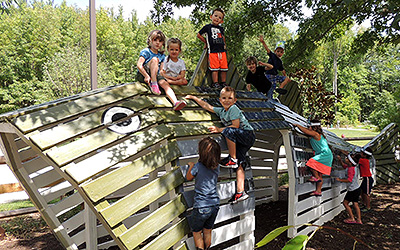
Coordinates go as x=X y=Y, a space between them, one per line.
x=40 y=118
x=56 y=191
x=169 y=237
x=71 y=151
x=187 y=116
x=58 y=134
x=97 y=163
x=191 y=129
x=67 y=203
x=152 y=223
x=132 y=203
x=230 y=231
x=73 y=222
x=117 y=179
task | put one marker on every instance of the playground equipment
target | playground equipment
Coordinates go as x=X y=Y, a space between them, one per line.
x=107 y=167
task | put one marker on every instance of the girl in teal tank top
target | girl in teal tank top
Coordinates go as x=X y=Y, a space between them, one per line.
x=321 y=163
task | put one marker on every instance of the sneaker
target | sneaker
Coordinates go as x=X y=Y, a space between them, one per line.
x=232 y=163
x=281 y=91
x=155 y=89
x=240 y=197
x=179 y=105
x=216 y=85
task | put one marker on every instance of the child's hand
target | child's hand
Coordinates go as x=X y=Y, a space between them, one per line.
x=189 y=97
x=261 y=38
x=214 y=129
x=191 y=164
x=337 y=179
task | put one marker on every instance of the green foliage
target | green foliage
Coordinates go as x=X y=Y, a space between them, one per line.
x=297 y=243
x=15 y=205
x=389 y=111
x=318 y=102
x=272 y=235
x=283 y=179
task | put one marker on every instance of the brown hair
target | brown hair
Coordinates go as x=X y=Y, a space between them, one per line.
x=356 y=158
x=209 y=152
x=220 y=10
x=156 y=34
x=229 y=89
x=251 y=59
x=176 y=41
x=367 y=156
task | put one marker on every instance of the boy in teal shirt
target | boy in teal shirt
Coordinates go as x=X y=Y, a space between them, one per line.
x=238 y=133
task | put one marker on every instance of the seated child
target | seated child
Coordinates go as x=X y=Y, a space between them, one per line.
x=151 y=60
x=238 y=133
x=206 y=200
x=353 y=188
x=276 y=62
x=256 y=75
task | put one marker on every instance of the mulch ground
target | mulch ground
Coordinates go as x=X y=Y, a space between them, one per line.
x=380 y=229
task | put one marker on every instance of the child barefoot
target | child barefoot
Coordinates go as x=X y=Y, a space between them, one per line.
x=206 y=200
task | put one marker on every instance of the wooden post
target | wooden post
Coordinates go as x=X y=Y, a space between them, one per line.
x=292 y=197
x=275 y=194
x=90 y=228
x=11 y=154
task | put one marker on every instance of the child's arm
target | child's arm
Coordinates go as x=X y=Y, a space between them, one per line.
x=142 y=70
x=284 y=72
x=215 y=129
x=202 y=103
x=267 y=66
x=199 y=36
x=309 y=132
x=264 y=44
x=189 y=175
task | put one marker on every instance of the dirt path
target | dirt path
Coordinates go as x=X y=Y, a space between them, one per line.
x=381 y=228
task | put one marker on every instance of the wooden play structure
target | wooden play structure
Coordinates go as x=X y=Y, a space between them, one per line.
x=107 y=167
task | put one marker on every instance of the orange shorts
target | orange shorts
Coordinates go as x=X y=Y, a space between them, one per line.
x=218 y=61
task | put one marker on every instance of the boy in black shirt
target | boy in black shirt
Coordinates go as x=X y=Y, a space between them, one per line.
x=256 y=75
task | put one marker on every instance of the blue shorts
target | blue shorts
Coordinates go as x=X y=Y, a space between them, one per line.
x=203 y=217
x=244 y=140
x=274 y=79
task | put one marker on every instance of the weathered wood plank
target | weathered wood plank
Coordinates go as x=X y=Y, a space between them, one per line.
x=67 y=203
x=187 y=116
x=154 y=222
x=65 y=154
x=132 y=203
x=169 y=237
x=103 y=160
x=63 y=132
x=54 y=114
x=117 y=179
x=192 y=129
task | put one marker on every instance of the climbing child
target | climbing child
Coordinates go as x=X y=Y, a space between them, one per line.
x=214 y=40
x=276 y=62
x=206 y=200
x=353 y=188
x=367 y=180
x=151 y=60
x=173 y=71
x=238 y=133
x=321 y=162
x=256 y=75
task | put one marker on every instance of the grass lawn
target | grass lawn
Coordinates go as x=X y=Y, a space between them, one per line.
x=15 y=205
x=355 y=133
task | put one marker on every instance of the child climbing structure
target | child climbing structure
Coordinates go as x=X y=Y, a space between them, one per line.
x=107 y=167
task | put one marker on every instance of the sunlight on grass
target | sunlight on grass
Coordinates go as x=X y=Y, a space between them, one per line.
x=15 y=205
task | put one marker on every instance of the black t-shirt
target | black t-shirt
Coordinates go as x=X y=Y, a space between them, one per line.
x=259 y=80
x=214 y=37
x=276 y=62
